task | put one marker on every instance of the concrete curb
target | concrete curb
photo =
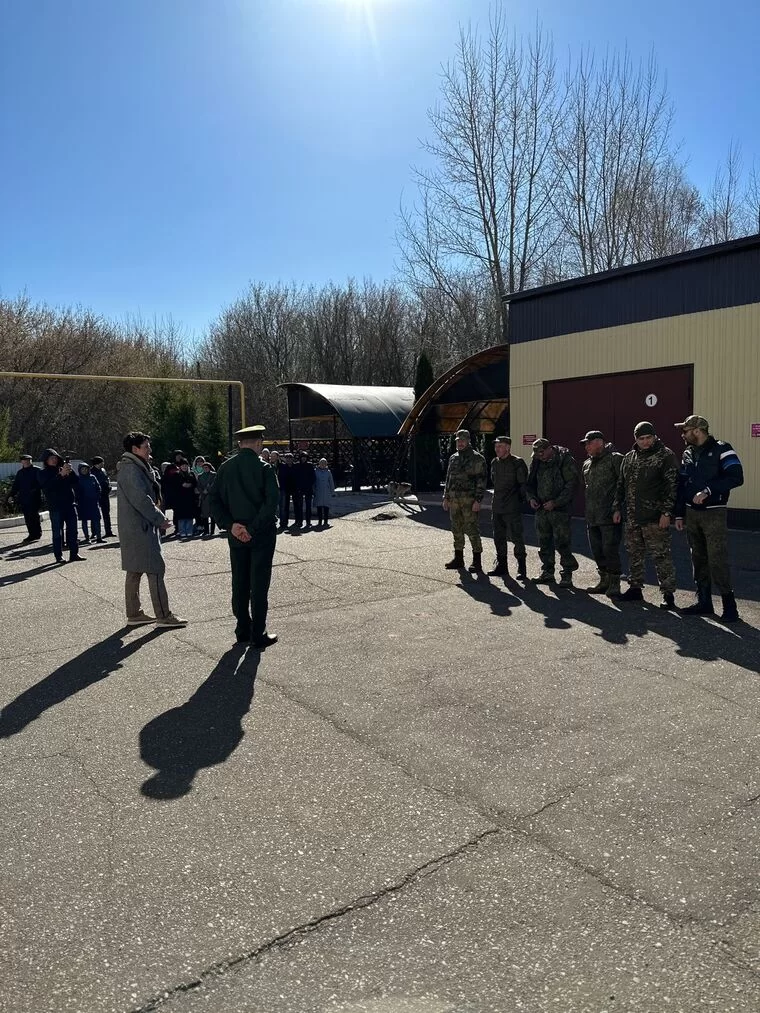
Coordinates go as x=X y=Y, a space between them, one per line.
x=18 y=520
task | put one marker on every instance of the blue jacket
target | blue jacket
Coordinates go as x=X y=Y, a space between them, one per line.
x=715 y=468
x=88 y=497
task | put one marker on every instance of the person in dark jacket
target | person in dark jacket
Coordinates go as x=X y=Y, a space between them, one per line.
x=88 y=503
x=27 y=494
x=100 y=473
x=601 y=472
x=304 y=480
x=185 y=500
x=244 y=502
x=58 y=483
x=287 y=488
x=550 y=489
x=508 y=477
x=647 y=492
x=710 y=469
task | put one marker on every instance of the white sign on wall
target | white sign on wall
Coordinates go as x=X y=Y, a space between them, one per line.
x=650 y=400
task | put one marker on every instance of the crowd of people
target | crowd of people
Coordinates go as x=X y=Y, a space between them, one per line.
x=638 y=495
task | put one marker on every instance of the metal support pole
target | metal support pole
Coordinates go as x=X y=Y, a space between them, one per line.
x=229 y=417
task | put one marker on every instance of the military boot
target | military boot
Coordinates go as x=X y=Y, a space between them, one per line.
x=632 y=594
x=730 y=614
x=476 y=566
x=601 y=586
x=522 y=572
x=544 y=577
x=703 y=606
x=500 y=569
x=668 y=601
x=457 y=563
x=566 y=579
x=613 y=586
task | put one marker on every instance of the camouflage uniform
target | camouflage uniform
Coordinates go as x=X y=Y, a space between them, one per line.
x=508 y=476
x=646 y=490
x=600 y=477
x=554 y=480
x=465 y=483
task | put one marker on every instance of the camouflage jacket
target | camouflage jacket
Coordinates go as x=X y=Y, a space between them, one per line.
x=600 y=477
x=466 y=475
x=508 y=476
x=647 y=484
x=554 y=480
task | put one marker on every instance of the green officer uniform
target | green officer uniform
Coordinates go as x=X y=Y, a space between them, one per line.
x=246 y=492
x=553 y=480
x=465 y=484
x=600 y=477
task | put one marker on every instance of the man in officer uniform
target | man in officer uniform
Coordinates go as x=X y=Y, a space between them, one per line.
x=244 y=502
x=710 y=469
x=465 y=488
x=508 y=477
x=552 y=481
x=601 y=471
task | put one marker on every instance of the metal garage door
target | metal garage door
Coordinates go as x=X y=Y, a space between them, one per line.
x=614 y=403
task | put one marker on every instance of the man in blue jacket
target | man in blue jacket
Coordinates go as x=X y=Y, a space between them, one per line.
x=710 y=469
x=58 y=483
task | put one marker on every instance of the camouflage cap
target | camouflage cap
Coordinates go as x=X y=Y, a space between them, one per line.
x=694 y=422
x=503 y=439
x=592 y=434
x=644 y=429
x=541 y=444
x=462 y=434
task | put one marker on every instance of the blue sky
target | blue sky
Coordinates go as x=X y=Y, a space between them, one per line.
x=156 y=155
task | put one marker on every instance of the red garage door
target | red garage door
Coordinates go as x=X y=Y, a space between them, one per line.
x=614 y=403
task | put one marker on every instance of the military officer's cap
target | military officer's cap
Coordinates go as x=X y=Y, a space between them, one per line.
x=541 y=444
x=644 y=429
x=251 y=433
x=462 y=434
x=694 y=422
x=25 y=457
x=503 y=439
x=592 y=434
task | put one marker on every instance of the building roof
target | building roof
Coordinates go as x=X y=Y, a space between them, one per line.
x=366 y=411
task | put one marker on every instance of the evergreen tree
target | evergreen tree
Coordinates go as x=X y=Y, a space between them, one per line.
x=426 y=462
x=212 y=430
x=8 y=451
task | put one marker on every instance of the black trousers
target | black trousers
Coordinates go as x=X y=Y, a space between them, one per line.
x=322 y=514
x=604 y=540
x=32 y=521
x=251 y=565
x=302 y=507
x=105 y=509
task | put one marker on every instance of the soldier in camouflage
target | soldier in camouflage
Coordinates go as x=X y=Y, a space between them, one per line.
x=647 y=492
x=550 y=489
x=462 y=495
x=601 y=471
x=508 y=477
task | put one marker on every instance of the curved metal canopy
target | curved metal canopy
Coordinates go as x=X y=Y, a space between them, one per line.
x=366 y=411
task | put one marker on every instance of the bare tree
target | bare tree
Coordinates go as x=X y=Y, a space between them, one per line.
x=725 y=213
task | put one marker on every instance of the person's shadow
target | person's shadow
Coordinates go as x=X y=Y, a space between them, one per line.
x=94 y=664
x=203 y=732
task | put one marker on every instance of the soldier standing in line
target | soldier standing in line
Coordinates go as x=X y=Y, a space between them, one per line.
x=550 y=489
x=244 y=502
x=462 y=495
x=508 y=477
x=647 y=490
x=710 y=469
x=601 y=471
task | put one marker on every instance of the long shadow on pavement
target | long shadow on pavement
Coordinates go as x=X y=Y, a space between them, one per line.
x=16 y=578
x=203 y=732
x=94 y=664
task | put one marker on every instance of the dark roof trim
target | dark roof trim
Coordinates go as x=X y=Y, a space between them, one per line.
x=733 y=246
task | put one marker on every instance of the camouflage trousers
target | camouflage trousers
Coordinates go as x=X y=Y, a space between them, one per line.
x=508 y=527
x=650 y=539
x=604 y=540
x=464 y=522
x=553 y=533
x=708 y=540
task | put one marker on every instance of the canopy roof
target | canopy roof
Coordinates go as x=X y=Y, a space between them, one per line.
x=366 y=411
x=473 y=394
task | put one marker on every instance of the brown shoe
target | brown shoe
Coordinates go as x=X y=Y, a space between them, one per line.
x=141 y=619
x=171 y=622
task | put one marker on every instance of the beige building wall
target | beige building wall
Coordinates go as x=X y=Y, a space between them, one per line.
x=723 y=345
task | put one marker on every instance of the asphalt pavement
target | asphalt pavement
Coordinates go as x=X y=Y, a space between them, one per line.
x=438 y=793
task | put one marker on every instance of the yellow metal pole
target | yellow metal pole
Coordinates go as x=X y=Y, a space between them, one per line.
x=129 y=379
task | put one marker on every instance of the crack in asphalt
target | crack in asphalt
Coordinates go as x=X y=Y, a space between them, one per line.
x=294 y=935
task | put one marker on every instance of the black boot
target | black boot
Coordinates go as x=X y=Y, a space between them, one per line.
x=703 y=606
x=522 y=572
x=500 y=569
x=457 y=563
x=730 y=614
x=476 y=565
x=668 y=600
x=632 y=594
x=602 y=584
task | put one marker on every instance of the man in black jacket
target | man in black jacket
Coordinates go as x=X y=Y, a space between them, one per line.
x=508 y=477
x=58 y=481
x=304 y=479
x=26 y=492
x=99 y=471
x=710 y=469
